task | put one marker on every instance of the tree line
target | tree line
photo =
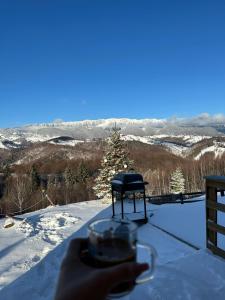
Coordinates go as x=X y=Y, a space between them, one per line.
x=33 y=186
x=30 y=190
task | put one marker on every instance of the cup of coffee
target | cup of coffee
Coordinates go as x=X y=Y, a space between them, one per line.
x=112 y=242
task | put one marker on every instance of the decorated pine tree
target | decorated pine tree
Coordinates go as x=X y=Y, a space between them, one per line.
x=177 y=182
x=115 y=160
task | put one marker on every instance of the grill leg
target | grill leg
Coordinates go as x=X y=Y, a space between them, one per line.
x=134 y=203
x=122 y=205
x=113 y=206
x=145 y=206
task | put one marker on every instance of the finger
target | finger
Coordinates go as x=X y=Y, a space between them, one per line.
x=75 y=248
x=126 y=272
x=76 y=245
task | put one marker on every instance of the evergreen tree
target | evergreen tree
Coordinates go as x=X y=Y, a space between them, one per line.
x=70 y=177
x=82 y=173
x=35 y=180
x=115 y=160
x=177 y=182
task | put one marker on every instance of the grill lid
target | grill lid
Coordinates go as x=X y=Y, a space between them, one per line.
x=126 y=178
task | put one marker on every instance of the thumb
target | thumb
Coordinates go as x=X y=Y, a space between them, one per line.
x=126 y=272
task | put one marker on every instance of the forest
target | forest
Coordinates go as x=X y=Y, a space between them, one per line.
x=56 y=180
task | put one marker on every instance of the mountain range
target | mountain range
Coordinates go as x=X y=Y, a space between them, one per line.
x=183 y=137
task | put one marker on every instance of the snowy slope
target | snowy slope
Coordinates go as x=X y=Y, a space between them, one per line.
x=189 y=139
x=31 y=252
x=217 y=148
x=170 y=142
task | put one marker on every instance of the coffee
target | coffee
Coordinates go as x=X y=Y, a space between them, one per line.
x=113 y=242
x=111 y=252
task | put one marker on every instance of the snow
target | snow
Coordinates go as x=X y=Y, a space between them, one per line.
x=218 y=149
x=104 y=123
x=180 y=146
x=182 y=221
x=2 y=146
x=28 y=241
x=176 y=148
x=31 y=251
x=67 y=143
x=8 y=223
x=16 y=137
x=35 y=138
x=189 y=139
x=142 y=139
x=193 y=139
x=34 y=153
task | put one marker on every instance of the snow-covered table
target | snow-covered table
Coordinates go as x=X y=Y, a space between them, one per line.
x=199 y=276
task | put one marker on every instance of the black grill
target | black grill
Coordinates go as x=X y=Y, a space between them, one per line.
x=127 y=182
x=124 y=183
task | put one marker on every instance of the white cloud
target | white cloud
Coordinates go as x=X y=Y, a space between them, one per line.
x=203 y=119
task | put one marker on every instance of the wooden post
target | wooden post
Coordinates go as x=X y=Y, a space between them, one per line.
x=211 y=214
x=213 y=184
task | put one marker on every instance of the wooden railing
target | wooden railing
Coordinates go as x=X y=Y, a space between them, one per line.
x=174 y=198
x=213 y=185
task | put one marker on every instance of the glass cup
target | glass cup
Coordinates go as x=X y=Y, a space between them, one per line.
x=112 y=242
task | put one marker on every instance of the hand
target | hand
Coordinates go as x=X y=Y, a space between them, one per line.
x=78 y=281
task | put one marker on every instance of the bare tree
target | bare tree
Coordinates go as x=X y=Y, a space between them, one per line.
x=19 y=191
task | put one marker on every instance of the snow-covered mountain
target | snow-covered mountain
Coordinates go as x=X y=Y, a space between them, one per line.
x=100 y=128
x=179 y=136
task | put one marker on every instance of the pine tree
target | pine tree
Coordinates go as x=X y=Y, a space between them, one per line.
x=70 y=177
x=35 y=180
x=115 y=160
x=82 y=173
x=177 y=182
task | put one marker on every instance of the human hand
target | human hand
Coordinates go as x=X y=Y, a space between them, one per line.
x=78 y=281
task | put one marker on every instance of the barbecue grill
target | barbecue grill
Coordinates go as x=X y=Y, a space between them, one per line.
x=124 y=183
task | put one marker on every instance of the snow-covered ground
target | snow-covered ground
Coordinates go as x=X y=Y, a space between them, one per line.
x=31 y=251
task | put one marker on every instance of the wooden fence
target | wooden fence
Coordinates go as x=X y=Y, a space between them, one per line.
x=174 y=198
x=213 y=185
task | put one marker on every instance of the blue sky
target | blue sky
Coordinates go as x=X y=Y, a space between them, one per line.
x=95 y=59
